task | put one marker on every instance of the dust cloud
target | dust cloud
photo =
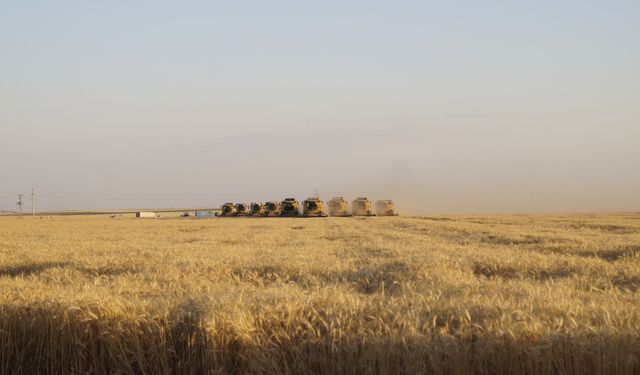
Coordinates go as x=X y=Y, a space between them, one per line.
x=426 y=167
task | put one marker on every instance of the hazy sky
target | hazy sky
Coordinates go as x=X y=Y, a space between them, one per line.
x=461 y=106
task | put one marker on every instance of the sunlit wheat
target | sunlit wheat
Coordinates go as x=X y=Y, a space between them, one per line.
x=499 y=294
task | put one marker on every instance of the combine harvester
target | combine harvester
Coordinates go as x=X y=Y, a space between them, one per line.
x=361 y=206
x=227 y=209
x=290 y=208
x=312 y=207
x=242 y=209
x=338 y=207
x=385 y=208
x=272 y=208
x=256 y=209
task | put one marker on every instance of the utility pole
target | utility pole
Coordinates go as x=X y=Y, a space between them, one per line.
x=33 y=204
x=19 y=203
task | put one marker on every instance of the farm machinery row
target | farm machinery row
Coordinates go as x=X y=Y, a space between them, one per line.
x=311 y=207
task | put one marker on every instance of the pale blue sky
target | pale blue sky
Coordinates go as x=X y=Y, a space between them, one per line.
x=466 y=106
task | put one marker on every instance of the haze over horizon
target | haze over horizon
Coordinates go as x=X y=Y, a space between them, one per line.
x=477 y=107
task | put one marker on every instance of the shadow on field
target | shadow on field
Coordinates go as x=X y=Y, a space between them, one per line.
x=97 y=340
x=607 y=228
x=626 y=282
x=374 y=278
x=188 y=338
x=28 y=269
x=612 y=255
x=495 y=270
x=36 y=268
x=509 y=241
x=296 y=339
x=261 y=275
x=609 y=255
x=436 y=218
x=369 y=278
x=107 y=270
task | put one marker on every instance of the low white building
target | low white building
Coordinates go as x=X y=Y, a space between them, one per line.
x=146 y=214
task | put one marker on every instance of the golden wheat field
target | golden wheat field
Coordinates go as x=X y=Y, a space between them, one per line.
x=447 y=294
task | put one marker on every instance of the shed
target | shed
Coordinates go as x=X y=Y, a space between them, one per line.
x=146 y=214
x=204 y=214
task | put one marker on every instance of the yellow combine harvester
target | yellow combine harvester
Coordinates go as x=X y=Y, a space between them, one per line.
x=312 y=207
x=361 y=206
x=242 y=209
x=385 y=208
x=290 y=207
x=256 y=209
x=227 y=209
x=338 y=207
x=272 y=208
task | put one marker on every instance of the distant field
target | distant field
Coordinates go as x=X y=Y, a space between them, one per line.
x=162 y=212
x=499 y=294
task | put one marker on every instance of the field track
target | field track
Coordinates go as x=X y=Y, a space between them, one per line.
x=456 y=294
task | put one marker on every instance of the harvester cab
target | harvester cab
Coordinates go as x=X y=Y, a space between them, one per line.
x=361 y=206
x=338 y=207
x=290 y=207
x=256 y=209
x=385 y=208
x=227 y=209
x=272 y=208
x=242 y=209
x=313 y=207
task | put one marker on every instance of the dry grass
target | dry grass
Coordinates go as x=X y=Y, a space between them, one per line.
x=502 y=294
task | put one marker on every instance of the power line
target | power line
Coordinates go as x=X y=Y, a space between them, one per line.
x=19 y=203
x=123 y=198
x=122 y=195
